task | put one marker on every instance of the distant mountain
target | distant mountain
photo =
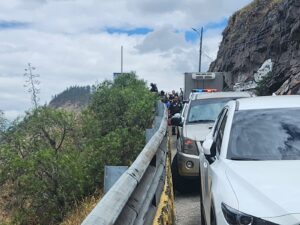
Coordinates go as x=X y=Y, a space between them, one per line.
x=73 y=98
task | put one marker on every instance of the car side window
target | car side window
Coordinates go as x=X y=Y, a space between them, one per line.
x=220 y=133
x=185 y=110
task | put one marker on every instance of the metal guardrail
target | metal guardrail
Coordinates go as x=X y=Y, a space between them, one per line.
x=133 y=199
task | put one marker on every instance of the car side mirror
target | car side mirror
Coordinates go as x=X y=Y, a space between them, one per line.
x=207 y=147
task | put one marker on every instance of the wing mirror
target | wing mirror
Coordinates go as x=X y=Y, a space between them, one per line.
x=176 y=120
x=207 y=147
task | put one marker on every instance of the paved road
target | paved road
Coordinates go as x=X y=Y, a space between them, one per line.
x=187 y=209
x=187 y=206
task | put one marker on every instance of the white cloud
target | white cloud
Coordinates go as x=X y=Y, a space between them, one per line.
x=67 y=41
x=162 y=39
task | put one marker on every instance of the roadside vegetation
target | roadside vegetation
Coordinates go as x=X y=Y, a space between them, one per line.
x=81 y=210
x=3 y=123
x=52 y=160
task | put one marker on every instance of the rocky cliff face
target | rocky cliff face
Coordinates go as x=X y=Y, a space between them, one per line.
x=265 y=29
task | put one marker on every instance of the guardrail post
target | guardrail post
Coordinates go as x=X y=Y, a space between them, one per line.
x=149 y=134
x=111 y=175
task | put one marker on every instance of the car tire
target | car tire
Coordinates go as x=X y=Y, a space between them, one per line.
x=180 y=184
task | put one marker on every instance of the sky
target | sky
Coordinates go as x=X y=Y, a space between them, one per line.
x=78 y=42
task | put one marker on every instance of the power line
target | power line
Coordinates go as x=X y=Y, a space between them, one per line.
x=208 y=56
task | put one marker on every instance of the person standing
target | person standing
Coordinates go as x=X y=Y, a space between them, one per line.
x=153 y=88
x=175 y=107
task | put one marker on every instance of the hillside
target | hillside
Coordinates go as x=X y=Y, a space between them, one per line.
x=73 y=98
x=265 y=29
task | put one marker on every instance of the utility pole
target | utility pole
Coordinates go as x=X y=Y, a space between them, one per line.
x=200 y=48
x=121 y=59
x=200 y=51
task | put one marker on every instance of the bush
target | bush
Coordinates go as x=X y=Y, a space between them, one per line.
x=54 y=159
x=115 y=123
x=43 y=163
x=3 y=124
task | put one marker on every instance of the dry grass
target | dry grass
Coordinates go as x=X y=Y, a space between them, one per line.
x=75 y=217
x=82 y=210
x=5 y=197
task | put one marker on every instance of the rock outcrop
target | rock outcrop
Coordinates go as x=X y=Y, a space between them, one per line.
x=265 y=29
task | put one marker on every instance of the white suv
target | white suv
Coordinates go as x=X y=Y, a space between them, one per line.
x=250 y=163
x=194 y=124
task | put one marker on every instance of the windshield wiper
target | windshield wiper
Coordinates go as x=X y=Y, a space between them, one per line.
x=202 y=121
x=244 y=159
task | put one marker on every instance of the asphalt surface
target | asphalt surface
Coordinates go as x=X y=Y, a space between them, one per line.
x=187 y=206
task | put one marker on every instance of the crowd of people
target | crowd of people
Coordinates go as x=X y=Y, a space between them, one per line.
x=173 y=101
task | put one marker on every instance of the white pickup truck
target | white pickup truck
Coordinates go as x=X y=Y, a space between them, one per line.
x=194 y=124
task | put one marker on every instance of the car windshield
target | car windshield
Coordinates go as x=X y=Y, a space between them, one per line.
x=206 y=110
x=268 y=134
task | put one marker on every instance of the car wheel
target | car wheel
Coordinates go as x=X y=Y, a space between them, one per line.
x=179 y=183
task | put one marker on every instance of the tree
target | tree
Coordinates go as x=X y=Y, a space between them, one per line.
x=32 y=84
x=126 y=102
x=115 y=123
x=41 y=159
x=52 y=159
x=2 y=122
x=3 y=125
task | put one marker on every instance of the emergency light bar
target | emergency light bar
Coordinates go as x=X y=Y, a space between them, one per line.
x=205 y=90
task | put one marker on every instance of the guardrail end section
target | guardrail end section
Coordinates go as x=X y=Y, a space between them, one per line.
x=165 y=214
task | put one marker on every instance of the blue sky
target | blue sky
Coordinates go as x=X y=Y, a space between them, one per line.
x=55 y=37
x=192 y=36
x=134 y=31
x=12 y=25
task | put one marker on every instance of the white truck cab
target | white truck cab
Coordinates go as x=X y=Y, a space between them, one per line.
x=195 y=123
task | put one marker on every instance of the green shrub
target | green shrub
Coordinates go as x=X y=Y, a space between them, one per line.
x=115 y=123
x=53 y=158
x=43 y=164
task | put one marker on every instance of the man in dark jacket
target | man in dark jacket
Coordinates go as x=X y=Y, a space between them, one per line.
x=153 y=88
x=175 y=107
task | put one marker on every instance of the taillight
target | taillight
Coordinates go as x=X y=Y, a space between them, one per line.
x=190 y=147
x=188 y=142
